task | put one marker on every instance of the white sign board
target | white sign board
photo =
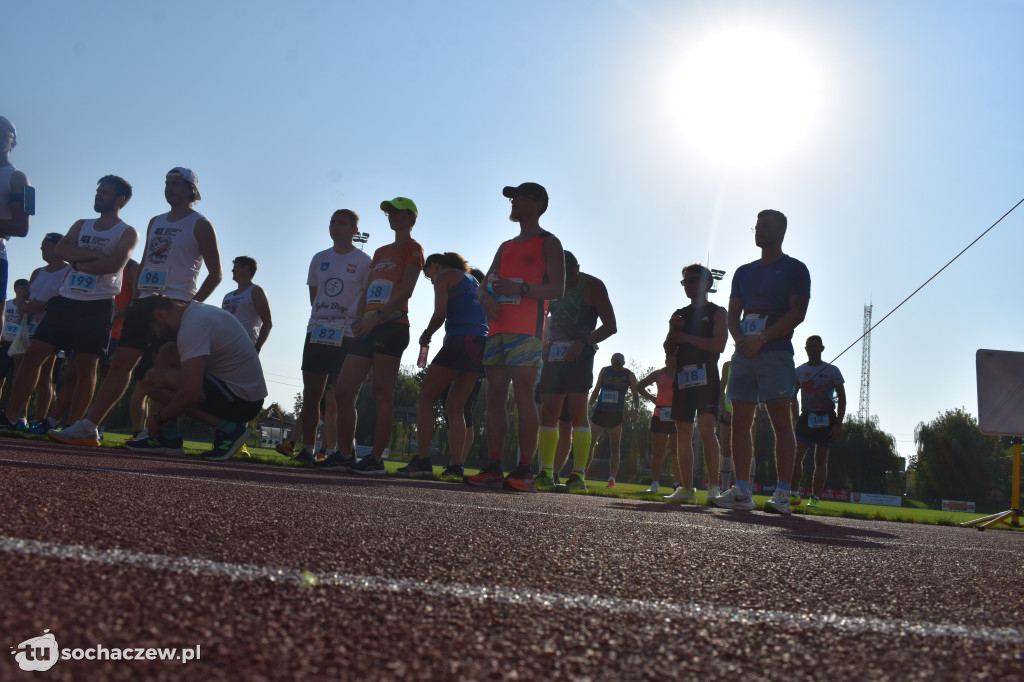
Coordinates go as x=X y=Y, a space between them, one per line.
x=1000 y=392
x=872 y=498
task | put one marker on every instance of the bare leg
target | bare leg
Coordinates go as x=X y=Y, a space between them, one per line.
x=346 y=389
x=113 y=387
x=684 y=450
x=385 y=374
x=742 y=439
x=798 y=466
x=785 y=440
x=706 y=426
x=459 y=433
x=313 y=384
x=820 y=469
x=44 y=388
x=435 y=381
x=498 y=379
x=329 y=435
x=85 y=384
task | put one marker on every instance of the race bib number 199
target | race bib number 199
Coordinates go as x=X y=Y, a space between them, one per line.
x=81 y=282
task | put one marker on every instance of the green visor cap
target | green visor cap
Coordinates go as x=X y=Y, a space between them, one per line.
x=399 y=204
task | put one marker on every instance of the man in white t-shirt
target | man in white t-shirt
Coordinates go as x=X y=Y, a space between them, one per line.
x=337 y=278
x=211 y=372
x=817 y=422
x=14 y=188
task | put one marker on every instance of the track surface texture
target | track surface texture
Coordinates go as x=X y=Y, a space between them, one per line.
x=283 y=573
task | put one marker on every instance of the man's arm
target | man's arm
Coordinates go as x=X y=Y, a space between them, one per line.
x=207 y=239
x=597 y=387
x=647 y=381
x=440 y=307
x=840 y=413
x=554 y=267
x=399 y=294
x=100 y=264
x=636 y=391
x=487 y=301
x=142 y=260
x=17 y=224
x=715 y=344
x=262 y=305
x=596 y=294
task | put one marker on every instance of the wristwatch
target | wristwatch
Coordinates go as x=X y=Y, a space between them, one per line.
x=761 y=335
x=523 y=289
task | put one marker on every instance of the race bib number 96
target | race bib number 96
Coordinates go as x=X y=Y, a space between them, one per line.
x=153 y=279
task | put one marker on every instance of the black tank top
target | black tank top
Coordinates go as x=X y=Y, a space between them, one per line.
x=699 y=322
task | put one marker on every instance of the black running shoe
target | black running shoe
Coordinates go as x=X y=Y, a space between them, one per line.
x=418 y=468
x=304 y=457
x=337 y=462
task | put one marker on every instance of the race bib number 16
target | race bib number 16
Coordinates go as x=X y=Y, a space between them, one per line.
x=753 y=324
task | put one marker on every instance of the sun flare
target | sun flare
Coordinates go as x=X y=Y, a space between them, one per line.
x=746 y=97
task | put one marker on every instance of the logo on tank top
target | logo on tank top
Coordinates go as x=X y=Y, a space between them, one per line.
x=159 y=250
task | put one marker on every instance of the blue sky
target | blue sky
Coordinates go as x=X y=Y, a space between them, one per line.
x=891 y=138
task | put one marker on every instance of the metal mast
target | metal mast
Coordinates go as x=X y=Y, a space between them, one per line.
x=864 y=412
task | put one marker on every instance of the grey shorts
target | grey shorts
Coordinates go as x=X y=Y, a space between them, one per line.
x=763 y=378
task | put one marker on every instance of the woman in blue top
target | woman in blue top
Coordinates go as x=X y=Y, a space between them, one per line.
x=457 y=367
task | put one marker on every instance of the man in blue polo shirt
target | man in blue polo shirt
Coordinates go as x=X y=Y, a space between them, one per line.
x=768 y=300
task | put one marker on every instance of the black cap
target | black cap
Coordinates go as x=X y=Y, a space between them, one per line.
x=530 y=189
x=21 y=282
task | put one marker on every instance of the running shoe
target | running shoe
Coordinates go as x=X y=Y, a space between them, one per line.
x=452 y=473
x=558 y=481
x=22 y=426
x=779 y=504
x=369 y=466
x=733 y=499
x=227 y=443
x=813 y=502
x=611 y=483
x=683 y=494
x=418 y=467
x=157 y=445
x=337 y=462
x=491 y=476
x=655 y=486
x=573 y=484
x=545 y=481
x=520 y=479
x=305 y=457
x=80 y=434
x=713 y=491
x=286 y=448
x=794 y=500
x=40 y=428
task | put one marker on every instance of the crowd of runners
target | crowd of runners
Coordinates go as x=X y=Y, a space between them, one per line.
x=530 y=325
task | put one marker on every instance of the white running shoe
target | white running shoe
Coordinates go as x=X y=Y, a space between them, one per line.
x=734 y=499
x=779 y=504
x=713 y=492
x=683 y=494
x=76 y=434
x=653 y=488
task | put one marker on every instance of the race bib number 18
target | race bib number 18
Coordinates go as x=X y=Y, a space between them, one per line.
x=692 y=375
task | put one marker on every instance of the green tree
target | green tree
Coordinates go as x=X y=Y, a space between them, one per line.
x=864 y=459
x=956 y=461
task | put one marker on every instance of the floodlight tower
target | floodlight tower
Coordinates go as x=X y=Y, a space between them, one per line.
x=864 y=412
x=360 y=238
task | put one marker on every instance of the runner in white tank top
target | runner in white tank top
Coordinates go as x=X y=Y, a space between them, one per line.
x=249 y=302
x=79 y=318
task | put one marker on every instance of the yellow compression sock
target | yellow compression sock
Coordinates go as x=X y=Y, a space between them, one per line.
x=547 y=443
x=580 y=448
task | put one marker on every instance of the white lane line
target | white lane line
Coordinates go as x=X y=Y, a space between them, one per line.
x=784 y=620
x=312 y=487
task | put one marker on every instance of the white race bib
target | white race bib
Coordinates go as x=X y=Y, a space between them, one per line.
x=558 y=351
x=81 y=282
x=609 y=396
x=692 y=375
x=11 y=329
x=32 y=326
x=665 y=414
x=817 y=421
x=328 y=334
x=379 y=291
x=153 y=279
x=753 y=324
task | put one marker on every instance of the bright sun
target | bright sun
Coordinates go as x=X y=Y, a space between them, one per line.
x=746 y=97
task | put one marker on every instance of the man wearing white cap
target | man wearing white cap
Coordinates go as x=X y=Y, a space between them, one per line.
x=178 y=244
x=14 y=209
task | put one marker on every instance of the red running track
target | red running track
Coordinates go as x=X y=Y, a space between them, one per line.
x=283 y=573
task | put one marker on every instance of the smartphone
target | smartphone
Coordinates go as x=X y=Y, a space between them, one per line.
x=28 y=200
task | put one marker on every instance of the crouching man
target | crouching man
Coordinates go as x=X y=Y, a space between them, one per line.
x=211 y=373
